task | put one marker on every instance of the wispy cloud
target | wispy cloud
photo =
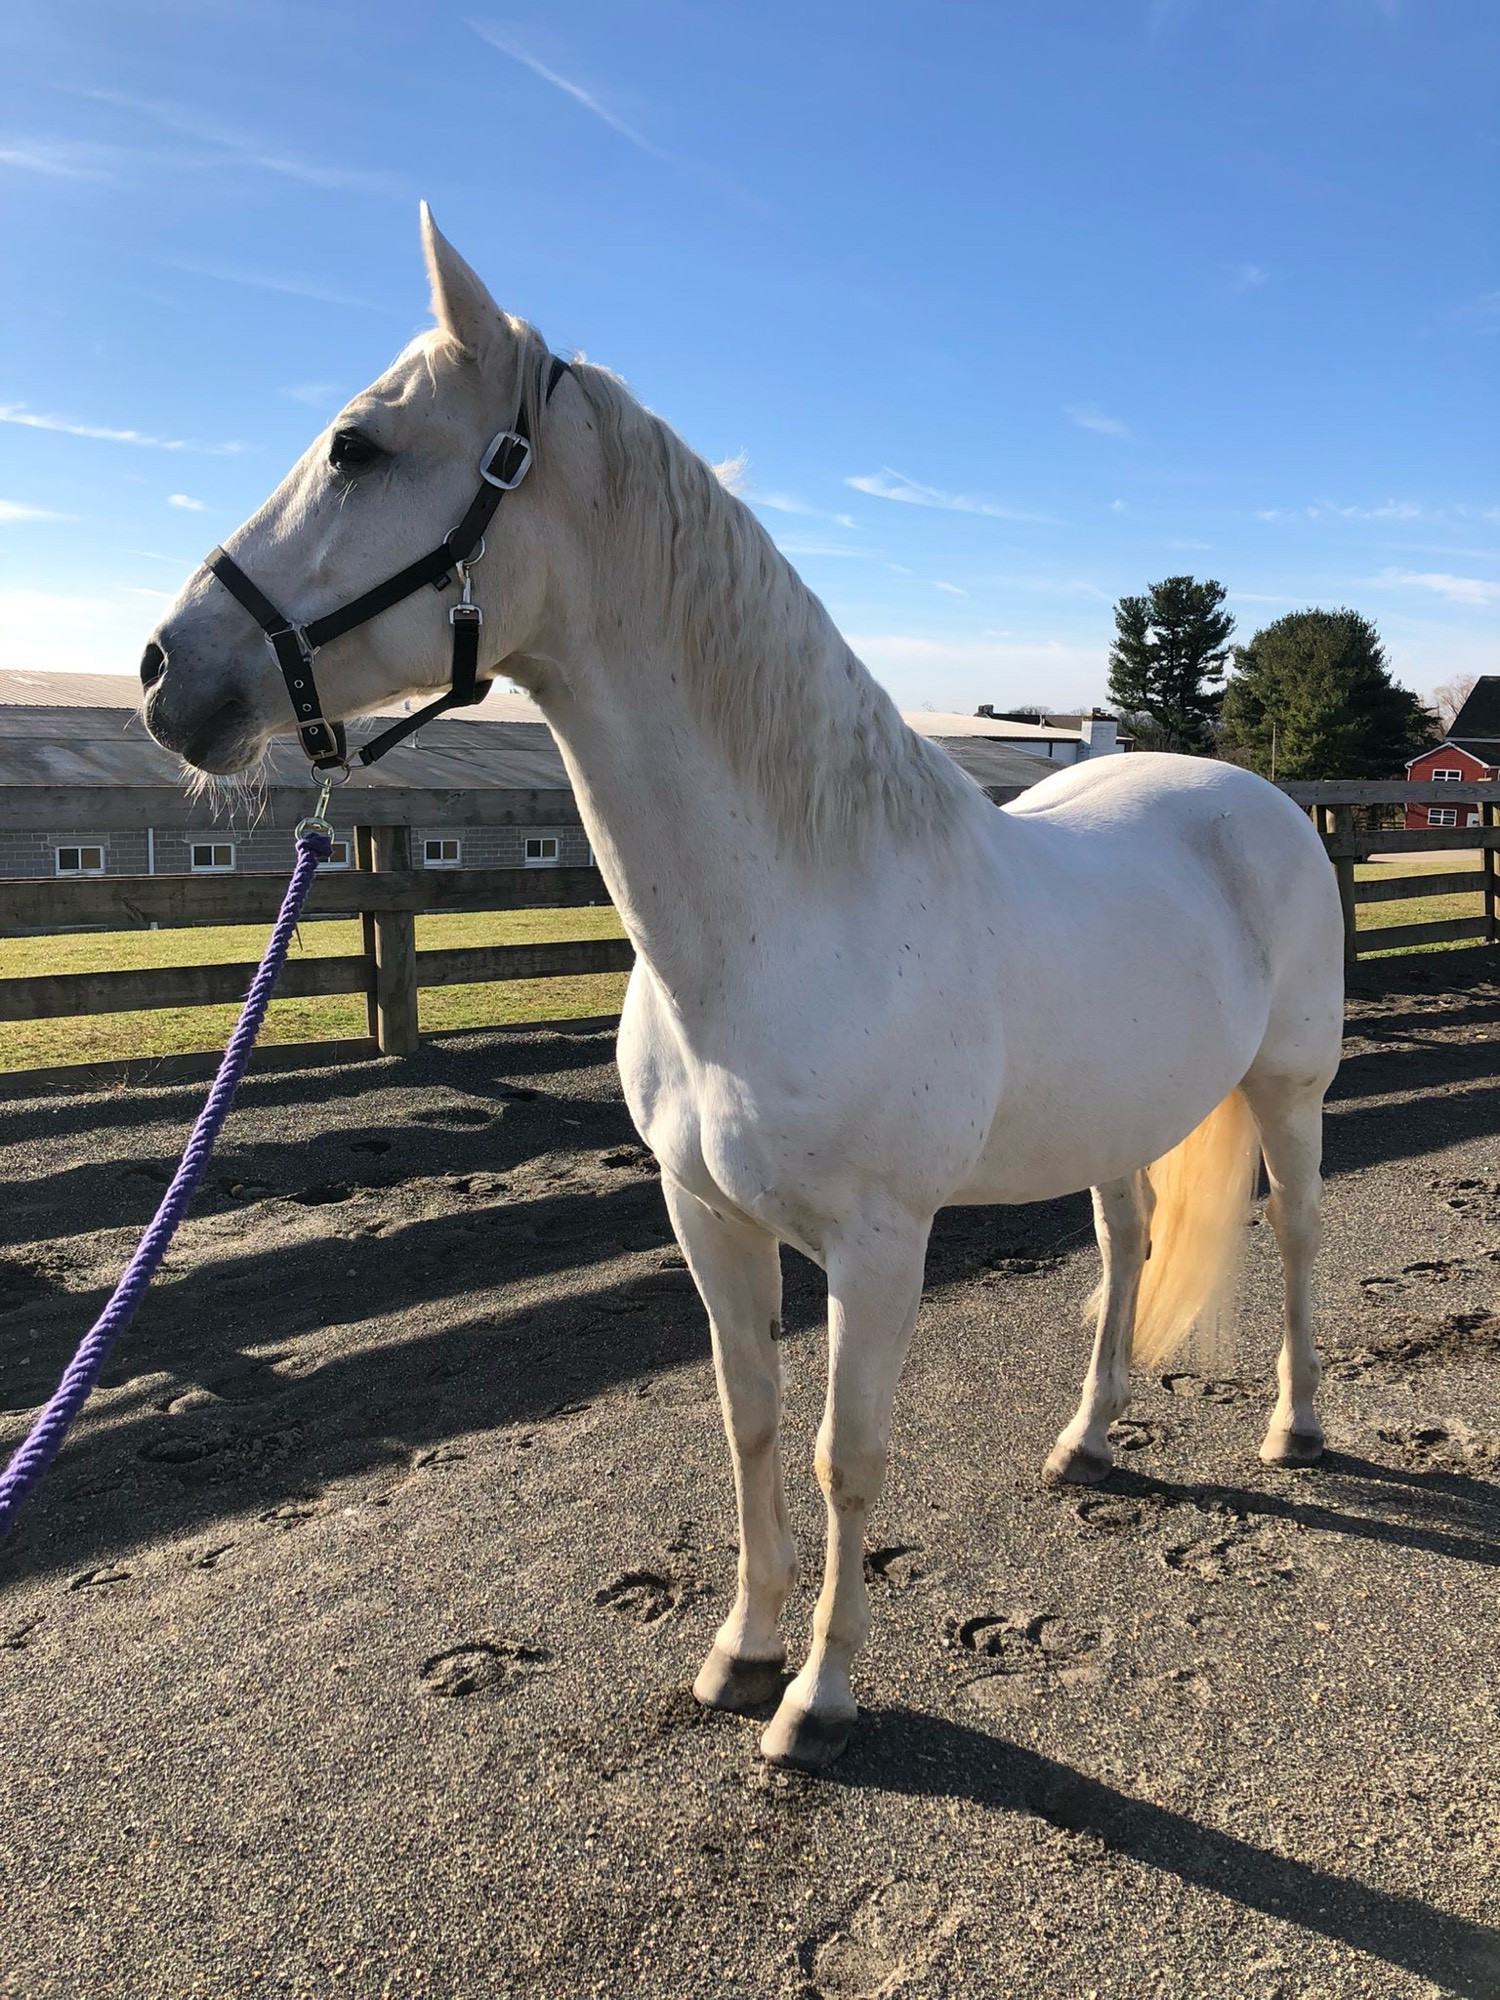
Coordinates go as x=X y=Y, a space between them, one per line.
x=1246 y=277
x=317 y=395
x=186 y=502
x=779 y=503
x=507 y=45
x=1089 y=417
x=17 y=510
x=506 y=42
x=32 y=420
x=265 y=281
x=1331 y=510
x=821 y=548
x=229 y=147
x=1474 y=590
x=949 y=589
x=58 y=159
x=888 y=484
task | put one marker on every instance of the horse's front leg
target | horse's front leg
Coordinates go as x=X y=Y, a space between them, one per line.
x=874 y=1285
x=737 y=1268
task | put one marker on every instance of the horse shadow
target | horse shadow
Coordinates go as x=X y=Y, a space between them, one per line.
x=905 y=1752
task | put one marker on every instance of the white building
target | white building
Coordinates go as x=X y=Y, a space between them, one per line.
x=1061 y=739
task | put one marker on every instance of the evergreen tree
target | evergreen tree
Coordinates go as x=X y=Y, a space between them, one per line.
x=1320 y=677
x=1170 y=647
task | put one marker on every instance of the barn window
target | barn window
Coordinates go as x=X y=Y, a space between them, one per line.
x=338 y=854
x=212 y=857
x=1442 y=816
x=1442 y=777
x=441 y=853
x=541 y=850
x=80 y=860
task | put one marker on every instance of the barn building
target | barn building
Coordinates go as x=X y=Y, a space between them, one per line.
x=83 y=731
x=1468 y=754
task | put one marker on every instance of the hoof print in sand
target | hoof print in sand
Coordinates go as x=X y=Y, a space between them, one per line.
x=895 y=1567
x=1479 y=1201
x=1029 y=1653
x=646 y=1595
x=438 y=1455
x=180 y=1450
x=96 y=1579
x=1448 y=1446
x=290 y=1514
x=19 y=1636
x=478 y=1667
x=892 y=1936
x=1118 y=1513
x=1243 y=1552
x=1204 y=1388
x=210 y=1558
x=1128 y=1434
x=1430 y=1271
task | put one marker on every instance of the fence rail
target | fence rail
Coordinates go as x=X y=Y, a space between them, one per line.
x=387 y=893
x=1332 y=805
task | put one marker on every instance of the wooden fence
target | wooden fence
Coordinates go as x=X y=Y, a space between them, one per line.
x=388 y=893
x=383 y=889
x=1333 y=803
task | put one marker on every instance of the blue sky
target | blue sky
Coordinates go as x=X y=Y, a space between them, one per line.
x=1011 y=307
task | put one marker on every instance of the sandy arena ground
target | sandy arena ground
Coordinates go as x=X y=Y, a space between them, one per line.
x=345 y=1651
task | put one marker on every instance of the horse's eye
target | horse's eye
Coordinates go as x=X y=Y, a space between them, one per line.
x=352 y=450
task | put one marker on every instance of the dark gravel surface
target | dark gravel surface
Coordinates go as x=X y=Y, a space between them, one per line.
x=345 y=1651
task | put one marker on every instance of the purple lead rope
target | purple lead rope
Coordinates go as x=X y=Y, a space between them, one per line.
x=47 y=1433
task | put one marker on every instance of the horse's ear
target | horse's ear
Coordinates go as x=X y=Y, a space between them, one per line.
x=461 y=305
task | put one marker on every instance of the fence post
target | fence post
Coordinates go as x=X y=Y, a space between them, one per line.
x=1340 y=819
x=390 y=944
x=1489 y=861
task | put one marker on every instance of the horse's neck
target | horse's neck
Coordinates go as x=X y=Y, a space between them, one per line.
x=688 y=854
x=731 y=758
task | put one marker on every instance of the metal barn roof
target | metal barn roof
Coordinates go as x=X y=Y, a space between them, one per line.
x=85 y=729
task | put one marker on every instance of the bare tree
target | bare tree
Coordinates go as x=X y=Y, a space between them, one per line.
x=1451 y=696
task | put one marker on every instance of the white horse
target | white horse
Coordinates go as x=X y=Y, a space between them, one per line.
x=861 y=992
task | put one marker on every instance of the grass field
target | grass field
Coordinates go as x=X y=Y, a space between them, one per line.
x=175 y=1030
x=1419 y=909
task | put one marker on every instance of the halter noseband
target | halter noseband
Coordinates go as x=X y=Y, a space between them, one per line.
x=503 y=464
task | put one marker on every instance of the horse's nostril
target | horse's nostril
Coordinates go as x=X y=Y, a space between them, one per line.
x=153 y=665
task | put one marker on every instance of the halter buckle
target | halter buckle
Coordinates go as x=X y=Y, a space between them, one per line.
x=305 y=645
x=491 y=452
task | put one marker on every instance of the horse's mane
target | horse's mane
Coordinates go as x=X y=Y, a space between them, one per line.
x=795 y=714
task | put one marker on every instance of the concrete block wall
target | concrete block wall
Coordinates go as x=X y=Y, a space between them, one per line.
x=503 y=846
x=266 y=850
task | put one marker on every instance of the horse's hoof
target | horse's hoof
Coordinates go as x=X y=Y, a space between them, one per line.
x=1292 y=1448
x=741 y=1686
x=1074 y=1465
x=798 y=1741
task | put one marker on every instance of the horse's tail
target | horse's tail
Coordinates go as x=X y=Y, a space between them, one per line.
x=1202 y=1191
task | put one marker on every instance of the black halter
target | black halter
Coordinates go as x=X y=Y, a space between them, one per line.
x=503 y=464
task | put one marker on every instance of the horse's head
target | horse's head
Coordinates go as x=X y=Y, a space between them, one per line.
x=391 y=476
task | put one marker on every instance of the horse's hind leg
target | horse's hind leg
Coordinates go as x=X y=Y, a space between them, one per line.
x=1289 y=1114
x=1122 y=1222
x=738 y=1271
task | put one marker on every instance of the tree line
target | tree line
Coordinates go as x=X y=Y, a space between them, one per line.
x=1309 y=696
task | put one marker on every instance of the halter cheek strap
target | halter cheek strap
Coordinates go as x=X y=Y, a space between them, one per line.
x=503 y=464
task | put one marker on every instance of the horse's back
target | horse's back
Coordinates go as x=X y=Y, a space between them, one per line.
x=1198 y=825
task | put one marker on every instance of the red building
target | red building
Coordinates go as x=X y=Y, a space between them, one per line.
x=1468 y=754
